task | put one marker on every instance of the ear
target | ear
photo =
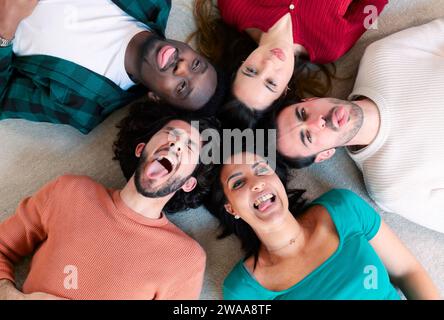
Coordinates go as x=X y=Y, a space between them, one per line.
x=309 y=99
x=324 y=155
x=190 y=184
x=153 y=97
x=229 y=209
x=139 y=149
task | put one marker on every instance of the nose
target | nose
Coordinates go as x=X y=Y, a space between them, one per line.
x=258 y=186
x=182 y=69
x=316 y=124
x=175 y=147
x=268 y=65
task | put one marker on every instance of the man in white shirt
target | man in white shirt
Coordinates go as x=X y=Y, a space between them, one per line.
x=104 y=46
x=392 y=126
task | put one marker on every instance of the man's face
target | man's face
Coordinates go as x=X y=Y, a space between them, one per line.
x=168 y=160
x=176 y=73
x=310 y=127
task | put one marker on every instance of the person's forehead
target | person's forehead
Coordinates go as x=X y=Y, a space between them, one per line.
x=252 y=91
x=288 y=141
x=204 y=87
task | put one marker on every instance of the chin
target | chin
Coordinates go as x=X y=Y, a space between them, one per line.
x=272 y=218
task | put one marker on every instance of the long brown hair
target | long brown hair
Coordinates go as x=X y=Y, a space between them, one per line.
x=227 y=48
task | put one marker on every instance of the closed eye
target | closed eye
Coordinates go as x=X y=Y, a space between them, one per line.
x=263 y=170
x=271 y=85
x=249 y=72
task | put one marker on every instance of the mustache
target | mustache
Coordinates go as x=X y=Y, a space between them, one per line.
x=329 y=120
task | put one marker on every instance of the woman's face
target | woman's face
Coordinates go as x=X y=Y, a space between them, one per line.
x=264 y=76
x=254 y=191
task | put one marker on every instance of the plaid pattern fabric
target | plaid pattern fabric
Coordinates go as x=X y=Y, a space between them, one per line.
x=49 y=89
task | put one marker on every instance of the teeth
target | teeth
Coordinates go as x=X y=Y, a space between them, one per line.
x=263 y=199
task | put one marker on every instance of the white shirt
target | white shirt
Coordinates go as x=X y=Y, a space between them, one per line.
x=90 y=33
x=403 y=167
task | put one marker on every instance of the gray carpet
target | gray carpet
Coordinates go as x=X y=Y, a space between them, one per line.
x=34 y=153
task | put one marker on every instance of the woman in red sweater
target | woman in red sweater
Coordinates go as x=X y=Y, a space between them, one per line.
x=288 y=34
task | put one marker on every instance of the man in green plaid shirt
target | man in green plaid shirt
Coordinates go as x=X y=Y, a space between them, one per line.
x=76 y=61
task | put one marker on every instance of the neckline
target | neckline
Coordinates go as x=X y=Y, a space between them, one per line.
x=384 y=124
x=135 y=216
x=315 y=270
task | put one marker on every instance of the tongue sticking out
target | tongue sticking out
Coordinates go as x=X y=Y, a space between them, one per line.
x=156 y=170
x=165 y=55
x=265 y=205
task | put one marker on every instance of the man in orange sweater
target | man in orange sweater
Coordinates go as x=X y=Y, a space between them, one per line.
x=94 y=243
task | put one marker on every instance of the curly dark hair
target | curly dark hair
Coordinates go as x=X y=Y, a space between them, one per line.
x=139 y=126
x=250 y=242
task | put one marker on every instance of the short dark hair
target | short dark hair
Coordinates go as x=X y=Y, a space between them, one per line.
x=250 y=242
x=139 y=126
x=298 y=162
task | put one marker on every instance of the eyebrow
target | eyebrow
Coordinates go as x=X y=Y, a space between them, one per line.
x=252 y=76
x=258 y=163
x=205 y=67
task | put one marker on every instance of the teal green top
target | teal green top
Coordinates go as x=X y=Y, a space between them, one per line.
x=354 y=271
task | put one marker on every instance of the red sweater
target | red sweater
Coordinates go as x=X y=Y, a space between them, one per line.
x=89 y=245
x=326 y=28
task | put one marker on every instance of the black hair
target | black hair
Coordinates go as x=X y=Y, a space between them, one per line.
x=139 y=126
x=235 y=114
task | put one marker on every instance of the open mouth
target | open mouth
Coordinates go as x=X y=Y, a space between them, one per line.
x=160 y=167
x=166 y=163
x=264 y=202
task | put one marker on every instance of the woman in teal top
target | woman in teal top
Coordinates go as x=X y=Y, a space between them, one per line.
x=335 y=248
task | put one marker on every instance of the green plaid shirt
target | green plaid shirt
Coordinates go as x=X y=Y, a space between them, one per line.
x=49 y=89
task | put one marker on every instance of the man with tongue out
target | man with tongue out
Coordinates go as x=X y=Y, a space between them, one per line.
x=392 y=126
x=76 y=61
x=96 y=243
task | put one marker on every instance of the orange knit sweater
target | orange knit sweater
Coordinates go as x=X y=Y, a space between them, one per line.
x=89 y=245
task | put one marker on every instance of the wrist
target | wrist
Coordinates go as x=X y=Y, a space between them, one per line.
x=7 y=31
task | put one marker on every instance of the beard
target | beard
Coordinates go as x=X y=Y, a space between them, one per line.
x=144 y=188
x=357 y=116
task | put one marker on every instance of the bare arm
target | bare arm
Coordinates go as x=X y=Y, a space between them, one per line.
x=404 y=270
